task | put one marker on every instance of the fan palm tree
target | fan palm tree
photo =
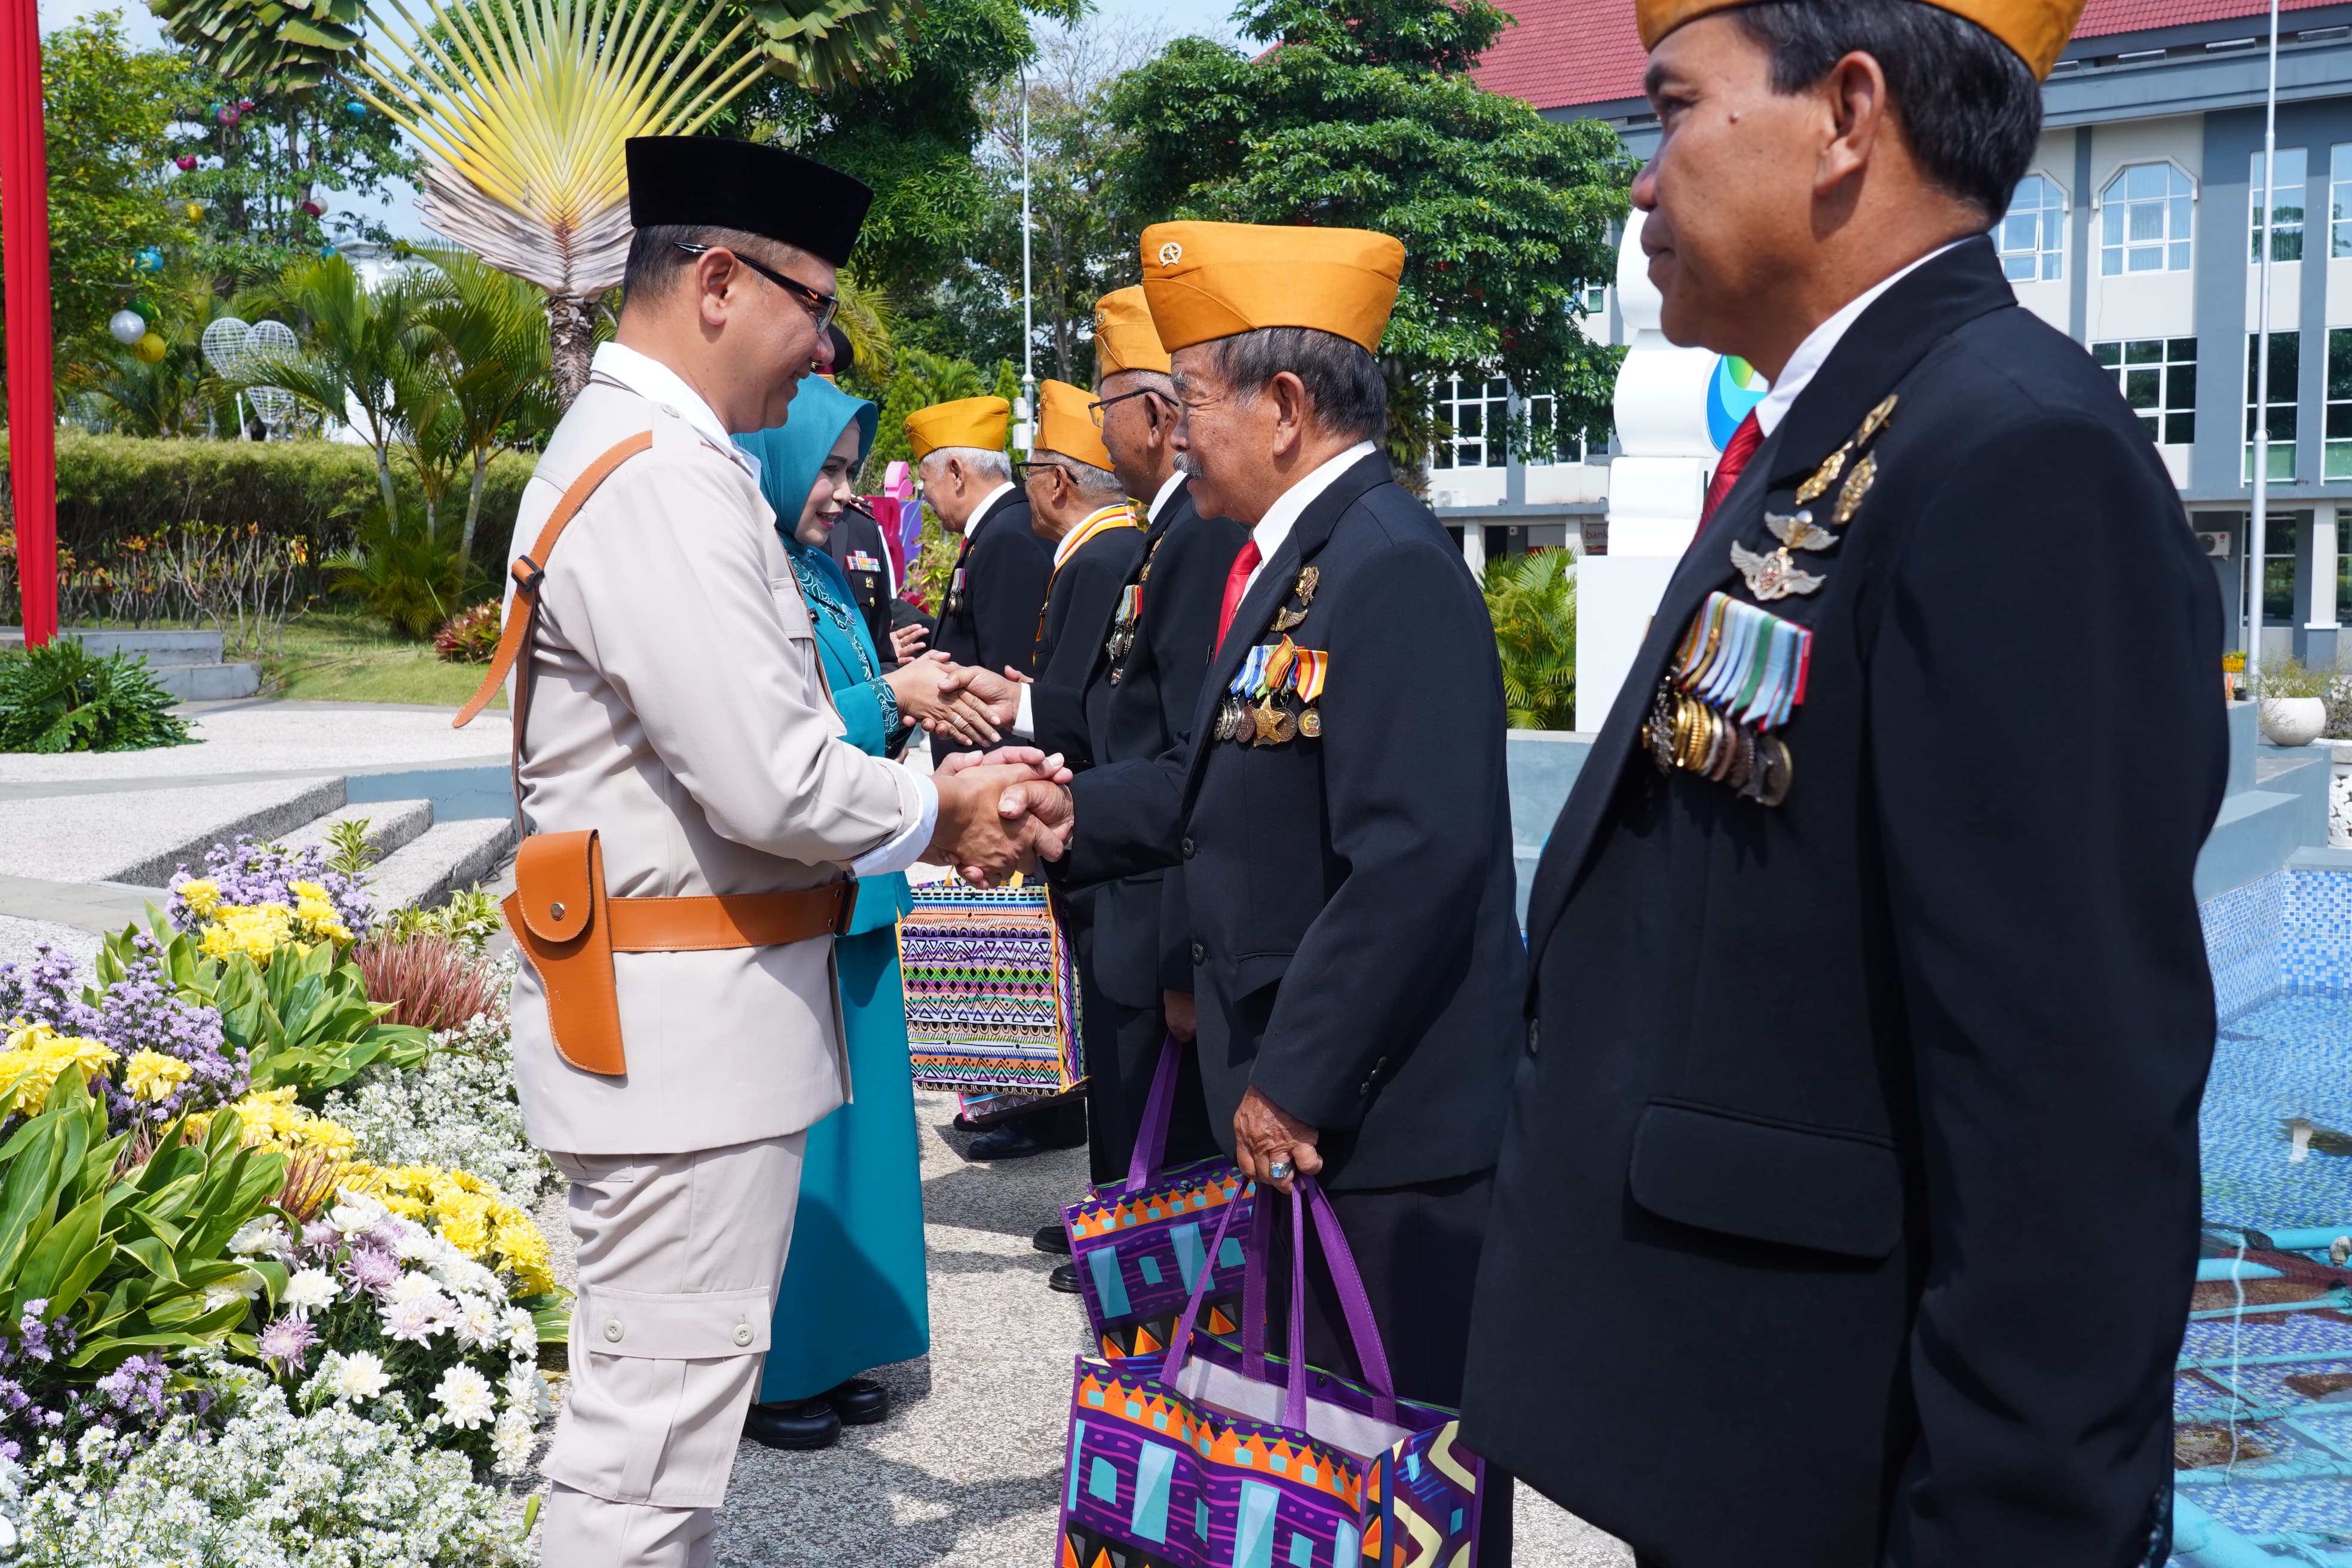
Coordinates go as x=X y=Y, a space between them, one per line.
x=1531 y=599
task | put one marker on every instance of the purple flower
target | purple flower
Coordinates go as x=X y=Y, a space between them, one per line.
x=371 y=1269
x=142 y=1012
x=287 y=1342
x=317 y=1236
x=137 y=1384
x=251 y=872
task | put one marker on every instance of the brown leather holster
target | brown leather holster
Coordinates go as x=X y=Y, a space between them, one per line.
x=559 y=913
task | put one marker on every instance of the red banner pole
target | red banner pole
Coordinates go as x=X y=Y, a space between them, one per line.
x=25 y=237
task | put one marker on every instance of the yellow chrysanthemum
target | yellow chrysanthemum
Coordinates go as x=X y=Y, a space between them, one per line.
x=269 y=1118
x=152 y=1076
x=316 y=912
x=202 y=895
x=256 y=930
x=36 y=1056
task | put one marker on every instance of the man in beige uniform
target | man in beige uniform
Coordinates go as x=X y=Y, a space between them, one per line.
x=677 y=707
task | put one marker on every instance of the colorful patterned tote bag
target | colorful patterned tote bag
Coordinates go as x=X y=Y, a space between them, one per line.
x=1140 y=1245
x=1219 y=1455
x=992 y=991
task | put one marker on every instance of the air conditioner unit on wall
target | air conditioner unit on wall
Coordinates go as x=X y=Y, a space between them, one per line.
x=2216 y=542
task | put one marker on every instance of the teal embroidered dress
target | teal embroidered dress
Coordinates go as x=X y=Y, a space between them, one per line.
x=851 y=1296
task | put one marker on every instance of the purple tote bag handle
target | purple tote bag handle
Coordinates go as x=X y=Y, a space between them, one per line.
x=1173 y=1362
x=1152 y=1136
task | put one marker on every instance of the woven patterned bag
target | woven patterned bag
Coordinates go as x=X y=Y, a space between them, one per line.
x=1140 y=1246
x=1222 y=1457
x=992 y=991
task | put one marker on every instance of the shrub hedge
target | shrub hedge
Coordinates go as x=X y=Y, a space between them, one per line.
x=111 y=487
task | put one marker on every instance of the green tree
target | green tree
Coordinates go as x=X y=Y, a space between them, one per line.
x=107 y=107
x=1531 y=599
x=1362 y=113
x=489 y=352
x=110 y=387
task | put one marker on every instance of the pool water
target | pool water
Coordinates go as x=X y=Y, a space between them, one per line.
x=2262 y=1400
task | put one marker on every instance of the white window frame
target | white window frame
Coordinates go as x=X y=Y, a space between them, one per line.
x=2184 y=245
x=2050 y=257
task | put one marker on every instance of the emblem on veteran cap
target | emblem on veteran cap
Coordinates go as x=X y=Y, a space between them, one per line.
x=1209 y=280
x=1170 y=254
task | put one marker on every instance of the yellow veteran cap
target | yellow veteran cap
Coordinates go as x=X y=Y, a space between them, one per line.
x=1125 y=338
x=1064 y=424
x=1208 y=280
x=2036 y=29
x=981 y=422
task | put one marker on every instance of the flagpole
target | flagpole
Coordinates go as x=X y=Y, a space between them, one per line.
x=2257 y=523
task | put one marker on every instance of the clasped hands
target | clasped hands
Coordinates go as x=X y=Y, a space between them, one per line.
x=998 y=813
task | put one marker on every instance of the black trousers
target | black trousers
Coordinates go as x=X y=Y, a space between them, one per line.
x=1123 y=1046
x=1416 y=1250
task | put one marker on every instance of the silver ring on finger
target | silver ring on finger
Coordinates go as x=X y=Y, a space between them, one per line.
x=1278 y=1171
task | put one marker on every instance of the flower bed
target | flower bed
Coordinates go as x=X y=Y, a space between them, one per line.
x=268 y=1274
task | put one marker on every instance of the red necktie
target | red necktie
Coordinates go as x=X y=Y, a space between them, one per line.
x=1742 y=446
x=1236 y=581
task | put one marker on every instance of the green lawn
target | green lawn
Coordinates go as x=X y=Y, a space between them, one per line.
x=341 y=656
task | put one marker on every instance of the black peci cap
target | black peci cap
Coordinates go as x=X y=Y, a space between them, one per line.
x=711 y=181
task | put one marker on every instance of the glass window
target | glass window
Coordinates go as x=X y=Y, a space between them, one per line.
x=2340 y=198
x=2286 y=206
x=2336 y=461
x=2158 y=377
x=1541 y=410
x=2144 y=220
x=2278 y=567
x=1477 y=411
x=2278 y=409
x=2032 y=236
x=1596 y=299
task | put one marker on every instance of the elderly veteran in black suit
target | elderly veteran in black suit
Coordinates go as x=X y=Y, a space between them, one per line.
x=1849 y=1209
x=1078 y=507
x=1339 y=805
x=990 y=617
x=1135 y=700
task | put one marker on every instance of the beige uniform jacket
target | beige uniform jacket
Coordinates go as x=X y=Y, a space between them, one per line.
x=680 y=711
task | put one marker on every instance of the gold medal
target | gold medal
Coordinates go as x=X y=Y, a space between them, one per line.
x=1798 y=530
x=1773 y=768
x=1825 y=475
x=1311 y=723
x=1773 y=576
x=1874 y=421
x=1857 y=485
x=1267 y=723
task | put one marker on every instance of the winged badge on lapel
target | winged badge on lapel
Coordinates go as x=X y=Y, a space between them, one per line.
x=1739 y=674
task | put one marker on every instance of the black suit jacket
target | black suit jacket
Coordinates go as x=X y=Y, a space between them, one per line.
x=1137 y=708
x=989 y=618
x=1082 y=596
x=855 y=540
x=1356 y=956
x=1855 y=1144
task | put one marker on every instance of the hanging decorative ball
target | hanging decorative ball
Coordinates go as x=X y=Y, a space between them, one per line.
x=126 y=327
x=244 y=105
x=143 y=307
x=356 y=109
x=193 y=211
x=152 y=348
x=228 y=116
x=315 y=208
x=328 y=250
x=187 y=163
x=149 y=259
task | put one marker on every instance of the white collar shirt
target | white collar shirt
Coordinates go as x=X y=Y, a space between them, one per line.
x=1159 y=503
x=982 y=510
x=666 y=390
x=1283 y=515
x=1814 y=352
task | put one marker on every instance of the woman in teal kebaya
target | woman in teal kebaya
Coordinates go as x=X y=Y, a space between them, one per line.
x=852 y=1296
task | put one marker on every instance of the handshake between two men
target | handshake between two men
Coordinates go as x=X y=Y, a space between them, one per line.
x=1001 y=813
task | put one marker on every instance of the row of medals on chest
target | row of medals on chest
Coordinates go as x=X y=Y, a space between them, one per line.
x=1271 y=699
x=1690 y=733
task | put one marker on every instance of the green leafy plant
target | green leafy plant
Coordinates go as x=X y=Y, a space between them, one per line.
x=471 y=916
x=348 y=849
x=61 y=697
x=408 y=572
x=129 y=1249
x=1531 y=599
x=470 y=637
x=2284 y=675
x=304 y=1021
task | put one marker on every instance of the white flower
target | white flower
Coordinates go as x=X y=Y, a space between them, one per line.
x=417 y=1244
x=310 y=1290
x=355 y=1212
x=417 y=1322
x=262 y=1234
x=464 y=1395
x=461 y=1273
x=511 y=1440
x=526 y=1390
x=478 y=1323
x=521 y=1331
x=243 y=1285
x=414 y=1288
x=359 y=1376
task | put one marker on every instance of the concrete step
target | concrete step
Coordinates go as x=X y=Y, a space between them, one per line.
x=392 y=824
x=163 y=647
x=278 y=809
x=446 y=857
x=207 y=683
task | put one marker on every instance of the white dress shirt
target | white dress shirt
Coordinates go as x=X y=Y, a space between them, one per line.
x=1284 y=514
x=664 y=387
x=1815 y=349
x=1159 y=503
x=985 y=502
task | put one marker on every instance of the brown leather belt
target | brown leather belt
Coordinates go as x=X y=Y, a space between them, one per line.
x=729 y=919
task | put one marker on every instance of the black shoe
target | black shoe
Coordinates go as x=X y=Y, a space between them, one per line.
x=1065 y=1278
x=794 y=1424
x=1053 y=1238
x=860 y=1402
x=1003 y=1143
x=964 y=1124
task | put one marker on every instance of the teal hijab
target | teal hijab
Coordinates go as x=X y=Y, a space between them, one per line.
x=791 y=454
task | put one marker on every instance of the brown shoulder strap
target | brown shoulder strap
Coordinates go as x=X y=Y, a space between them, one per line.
x=529 y=569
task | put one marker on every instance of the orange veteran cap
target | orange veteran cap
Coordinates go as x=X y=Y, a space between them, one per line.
x=981 y=422
x=1206 y=280
x=1125 y=338
x=2036 y=29
x=1064 y=424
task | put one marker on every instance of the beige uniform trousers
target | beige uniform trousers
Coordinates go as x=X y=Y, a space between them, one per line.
x=680 y=1256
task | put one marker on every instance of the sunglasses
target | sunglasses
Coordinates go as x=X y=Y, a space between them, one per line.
x=1094 y=410
x=819 y=305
